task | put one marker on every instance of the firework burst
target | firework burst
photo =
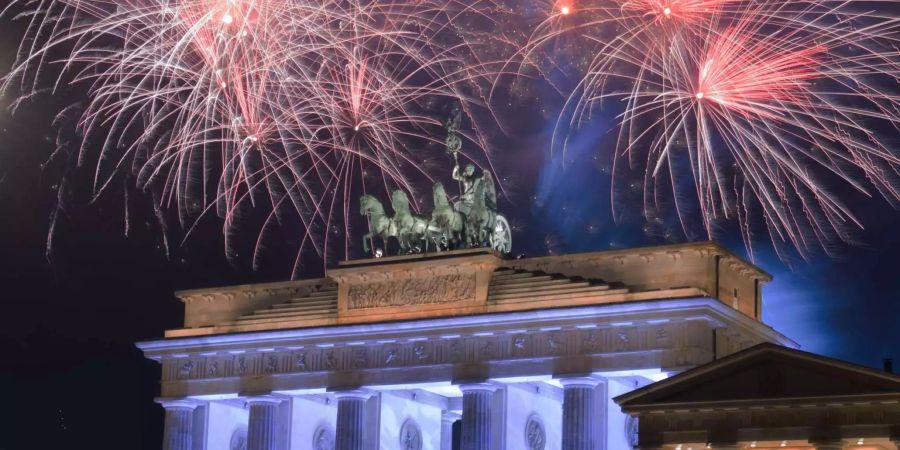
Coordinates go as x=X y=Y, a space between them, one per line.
x=222 y=105
x=754 y=109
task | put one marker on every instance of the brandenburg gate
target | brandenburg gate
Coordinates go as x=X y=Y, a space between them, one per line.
x=458 y=349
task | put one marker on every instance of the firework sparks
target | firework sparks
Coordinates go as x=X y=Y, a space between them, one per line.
x=221 y=105
x=757 y=107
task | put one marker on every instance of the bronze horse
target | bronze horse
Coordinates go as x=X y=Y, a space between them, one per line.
x=379 y=223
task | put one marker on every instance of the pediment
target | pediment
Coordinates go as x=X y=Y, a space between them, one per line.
x=765 y=372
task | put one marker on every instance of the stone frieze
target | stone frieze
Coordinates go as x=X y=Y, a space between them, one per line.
x=502 y=346
x=449 y=288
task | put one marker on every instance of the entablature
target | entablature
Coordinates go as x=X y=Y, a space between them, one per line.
x=673 y=334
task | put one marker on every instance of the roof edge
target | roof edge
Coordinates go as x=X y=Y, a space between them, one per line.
x=182 y=294
x=623 y=399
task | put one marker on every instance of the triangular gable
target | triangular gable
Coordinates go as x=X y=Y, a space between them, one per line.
x=766 y=371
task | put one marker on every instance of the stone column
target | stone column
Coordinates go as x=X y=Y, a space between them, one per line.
x=351 y=420
x=262 y=430
x=448 y=418
x=476 y=416
x=179 y=425
x=580 y=419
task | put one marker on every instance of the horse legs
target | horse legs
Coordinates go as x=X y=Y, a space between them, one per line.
x=366 y=242
x=404 y=244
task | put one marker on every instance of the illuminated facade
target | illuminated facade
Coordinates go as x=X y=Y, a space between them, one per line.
x=459 y=349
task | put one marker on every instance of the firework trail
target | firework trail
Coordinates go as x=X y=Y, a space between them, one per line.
x=218 y=106
x=754 y=109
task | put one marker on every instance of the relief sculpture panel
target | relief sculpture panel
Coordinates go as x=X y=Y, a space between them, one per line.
x=413 y=291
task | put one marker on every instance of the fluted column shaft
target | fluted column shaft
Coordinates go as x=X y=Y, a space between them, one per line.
x=179 y=425
x=580 y=421
x=262 y=430
x=351 y=420
x=476 y=416
x=447 y=421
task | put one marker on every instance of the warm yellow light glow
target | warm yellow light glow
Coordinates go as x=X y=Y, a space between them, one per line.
x=667 y=11
x=565 y=10
x=699 y=95
x=227 y=19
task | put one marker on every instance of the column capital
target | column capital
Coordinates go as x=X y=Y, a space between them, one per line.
x=352 y=420
x=358 y=394
x=476 y=428
x=450 y=416
x=262 y=400
x=178 y=403
x=580 y=413
x=580 y=381
x=478 y=387
x=179 y=423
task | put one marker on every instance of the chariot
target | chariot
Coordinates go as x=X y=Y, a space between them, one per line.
x=471 y=221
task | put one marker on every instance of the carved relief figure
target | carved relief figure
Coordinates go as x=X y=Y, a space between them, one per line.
x=421 y=352
x=186 y=369
x=415 y=291
x=535 y=436
x=323 y=438
x=271 y=364
x=390 y=357
x=329 y=361
x=360 y=357
x=410 y=436
x=519 y=343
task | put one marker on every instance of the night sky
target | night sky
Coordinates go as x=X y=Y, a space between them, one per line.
x=71 y=377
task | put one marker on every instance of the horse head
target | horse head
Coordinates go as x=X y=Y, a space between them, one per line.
x=440 y=196
x=400 y=202
x=478 y=195
x=369 y=204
